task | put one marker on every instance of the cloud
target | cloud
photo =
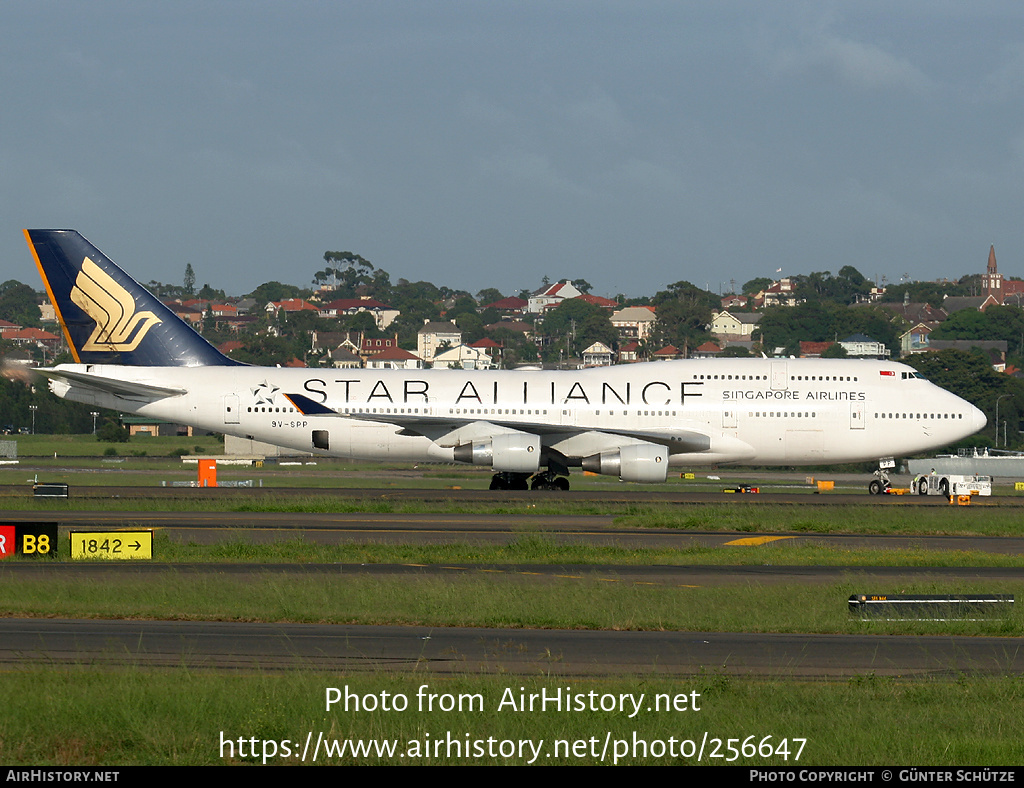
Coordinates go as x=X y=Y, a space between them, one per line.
x=1006 y=81
x=598 y=114
x=862 y=65
x=534 y=169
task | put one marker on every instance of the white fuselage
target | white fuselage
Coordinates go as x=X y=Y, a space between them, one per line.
x=752 y=411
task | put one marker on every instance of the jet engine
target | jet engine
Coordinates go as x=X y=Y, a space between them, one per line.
x=514 y=452
x=641 y=462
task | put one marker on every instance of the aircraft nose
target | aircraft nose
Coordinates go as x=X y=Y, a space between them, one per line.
x=978 y=420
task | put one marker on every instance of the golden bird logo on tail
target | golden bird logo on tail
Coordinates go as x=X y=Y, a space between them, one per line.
x=118 y=326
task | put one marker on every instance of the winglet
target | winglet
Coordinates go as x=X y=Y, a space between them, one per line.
x=108 y=317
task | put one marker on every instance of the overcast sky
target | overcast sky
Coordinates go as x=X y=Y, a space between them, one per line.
x=488 y=144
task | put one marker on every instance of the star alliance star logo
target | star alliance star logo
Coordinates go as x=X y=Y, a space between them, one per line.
x=264 y=393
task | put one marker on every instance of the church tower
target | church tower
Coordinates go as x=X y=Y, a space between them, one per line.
x=993 y=279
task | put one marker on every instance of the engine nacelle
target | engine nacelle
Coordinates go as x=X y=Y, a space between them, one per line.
x=641 y=462
x=513 y=452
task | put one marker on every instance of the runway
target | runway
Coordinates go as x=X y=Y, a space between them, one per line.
x=564 y=653
x=688 y=576
x=781 y=494
x=422 y=529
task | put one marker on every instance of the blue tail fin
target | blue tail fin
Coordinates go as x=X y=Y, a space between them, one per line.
x=108 y=317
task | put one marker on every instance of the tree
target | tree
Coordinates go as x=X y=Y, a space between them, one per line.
x=932 y=293
x=464 y=305
x=112 y=431
x=362 y=321
x=786 y=327
x=350 y=272
x=471 y=326
x=580 y=322
x=19 y=303
x=208 y=293
x=843 y=289
x=266 y=350
x=996 y=322
x=489 y=295
x=190 y=279
x=54 y=415
x=274 y=291
x=684 y=314
x=757 y=284
x=871 y=320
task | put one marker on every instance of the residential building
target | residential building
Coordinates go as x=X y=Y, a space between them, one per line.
x=915 y=340
x=707 y=350
x=604 y=303
x=551 y=295
x=734 y=325
x=490 y=347
x=463 y=357
x=863 y=346
x=634 y=322
x=630 y=353
x=814 y=349
x=383 y=315
x=394 y=358
x=597 y=355
x=436 y=336
x=517 y=326
x=915 y=312
x=342 y=357
x=513 y=305
x=951 y=304
x=781 y=293
x=666 y=353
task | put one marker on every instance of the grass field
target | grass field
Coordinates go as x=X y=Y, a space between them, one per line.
x=86 y=717
x=507 y=599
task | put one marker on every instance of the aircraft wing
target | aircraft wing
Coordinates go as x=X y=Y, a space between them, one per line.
x=449 y=431
x=437 y=428
x=122 y=388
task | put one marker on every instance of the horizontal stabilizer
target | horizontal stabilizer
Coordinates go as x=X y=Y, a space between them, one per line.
x=120 y=388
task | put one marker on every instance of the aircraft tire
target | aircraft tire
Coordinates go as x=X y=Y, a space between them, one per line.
x=875 y=487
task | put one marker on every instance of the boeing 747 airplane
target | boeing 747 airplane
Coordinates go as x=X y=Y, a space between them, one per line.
x=634 y=421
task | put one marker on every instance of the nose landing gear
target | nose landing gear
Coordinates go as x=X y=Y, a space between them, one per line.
x=881 y=484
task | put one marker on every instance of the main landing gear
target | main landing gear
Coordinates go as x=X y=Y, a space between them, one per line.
x=542 y=480
x=510 y=481
x=549 y=480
